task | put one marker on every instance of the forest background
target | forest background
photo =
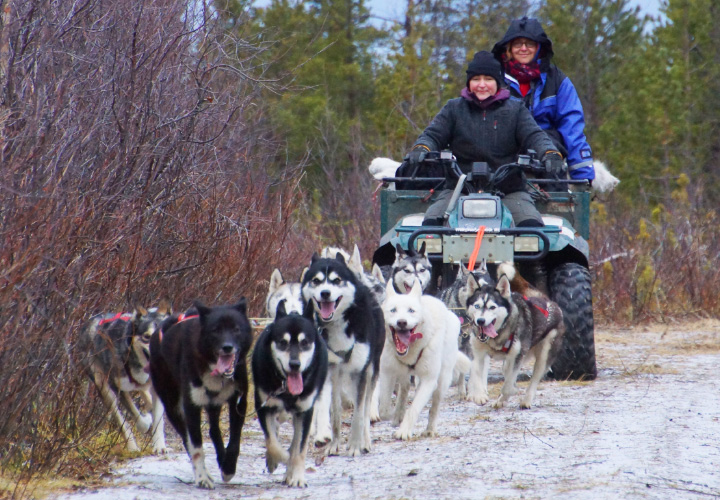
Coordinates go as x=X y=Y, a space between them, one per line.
x=185 y=149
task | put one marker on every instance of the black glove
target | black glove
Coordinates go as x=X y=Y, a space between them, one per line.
x=417 y=155
x=554 y=165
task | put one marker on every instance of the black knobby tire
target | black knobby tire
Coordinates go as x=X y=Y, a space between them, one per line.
x=570 y=287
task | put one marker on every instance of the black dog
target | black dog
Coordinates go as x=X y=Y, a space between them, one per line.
x=200 y=362
x=289 y=366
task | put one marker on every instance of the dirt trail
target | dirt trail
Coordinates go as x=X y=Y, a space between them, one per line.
x=648 y=427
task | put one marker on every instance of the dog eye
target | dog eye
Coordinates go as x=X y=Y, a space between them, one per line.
x=336 y=281
x=304 y=344
x=393 y=310
x=411 y=310
x=316 y=281
x=492 y=308
x=282 y=345
x=477 y=306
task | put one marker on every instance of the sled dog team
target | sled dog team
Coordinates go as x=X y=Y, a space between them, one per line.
x=339 y=338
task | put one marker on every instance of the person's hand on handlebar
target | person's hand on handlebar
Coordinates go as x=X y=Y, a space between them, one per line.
x=554 y=164
x=417 y=154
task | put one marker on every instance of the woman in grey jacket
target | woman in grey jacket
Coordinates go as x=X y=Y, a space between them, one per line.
x=483 y=124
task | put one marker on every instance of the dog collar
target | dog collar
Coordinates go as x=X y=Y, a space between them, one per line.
x=412 y=367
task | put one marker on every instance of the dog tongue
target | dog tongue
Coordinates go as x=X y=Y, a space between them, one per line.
x=327 y=309
x=224 y=364
x=294 y=383
x=489 y=330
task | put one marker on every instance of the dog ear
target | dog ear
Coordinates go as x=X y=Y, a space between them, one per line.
x=377 y=273
x=416 y=290
x=165 y=307
x=241 y=306
x=202 y=309
x=503 y=287
x=302 y=274
x=422 y=249
x=280 y=311
x=140 y=311
x=315 y=257
x=276 y=280
x=339 y=257
x=355 y=262
x=471 y=285
x=400 y=252
x=390 y=288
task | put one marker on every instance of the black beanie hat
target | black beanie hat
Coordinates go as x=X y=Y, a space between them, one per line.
x=483 y=63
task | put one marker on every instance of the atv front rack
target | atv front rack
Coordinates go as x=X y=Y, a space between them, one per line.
x=448 y=231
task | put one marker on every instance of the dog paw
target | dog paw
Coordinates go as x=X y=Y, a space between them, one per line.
x=479 y=399
x=429 y=433
x=227 y=477
x=144 y=422
x=132 y=446
x=203 y=481
x=355 y=450
x=295 y=479
x=525 y=404
x=323 y=437
x=334 y=448
x=272 y=460
x=160 y=450
x=403 y=433
x=499 y=403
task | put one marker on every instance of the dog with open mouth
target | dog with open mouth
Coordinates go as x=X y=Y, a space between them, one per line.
x=198 y=361
x=289 y=366
x=509 y=326
x=421 y=340
x=351 y=323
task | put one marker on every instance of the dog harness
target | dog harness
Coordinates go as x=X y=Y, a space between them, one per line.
x=535 y=304
x=181 y=318
x=508 y=343
x=344 y=355
x=118 y=316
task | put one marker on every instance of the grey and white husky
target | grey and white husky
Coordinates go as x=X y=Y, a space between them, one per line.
x=509 y=326
x=280 y=290
x=118 y=360
x=408 y=268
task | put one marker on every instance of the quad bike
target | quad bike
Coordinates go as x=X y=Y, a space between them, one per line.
x=554 y=258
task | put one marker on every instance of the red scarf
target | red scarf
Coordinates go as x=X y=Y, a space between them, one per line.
x=523 y=73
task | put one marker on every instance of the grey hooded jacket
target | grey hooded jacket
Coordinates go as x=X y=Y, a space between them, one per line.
x=494 y=131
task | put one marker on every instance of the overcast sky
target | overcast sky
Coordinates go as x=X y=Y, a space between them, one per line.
x=393 y=9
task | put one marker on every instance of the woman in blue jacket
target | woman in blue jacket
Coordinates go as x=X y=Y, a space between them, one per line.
x=525 y=53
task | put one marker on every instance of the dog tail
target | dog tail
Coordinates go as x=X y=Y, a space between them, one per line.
x=462 y=364
x=517 y=283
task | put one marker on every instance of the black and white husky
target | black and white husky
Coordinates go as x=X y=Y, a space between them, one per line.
x=118 y=359
x=509 y=326
x=352 y=325
x=408 y=268
x=289 y=366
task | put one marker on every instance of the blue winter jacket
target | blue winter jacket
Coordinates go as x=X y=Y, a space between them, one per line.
x=556 y=107
x=552 y=100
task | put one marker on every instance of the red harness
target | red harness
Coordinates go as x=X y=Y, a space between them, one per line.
x=118 y=316
x=181 y=318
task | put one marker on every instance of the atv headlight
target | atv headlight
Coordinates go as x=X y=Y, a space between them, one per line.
x=432 y=244
x=479 y=209
x=527 y=244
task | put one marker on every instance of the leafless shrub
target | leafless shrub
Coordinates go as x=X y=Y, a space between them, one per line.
x=132 y=154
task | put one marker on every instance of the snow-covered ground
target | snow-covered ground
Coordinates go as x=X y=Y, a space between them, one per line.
x=648 y=427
